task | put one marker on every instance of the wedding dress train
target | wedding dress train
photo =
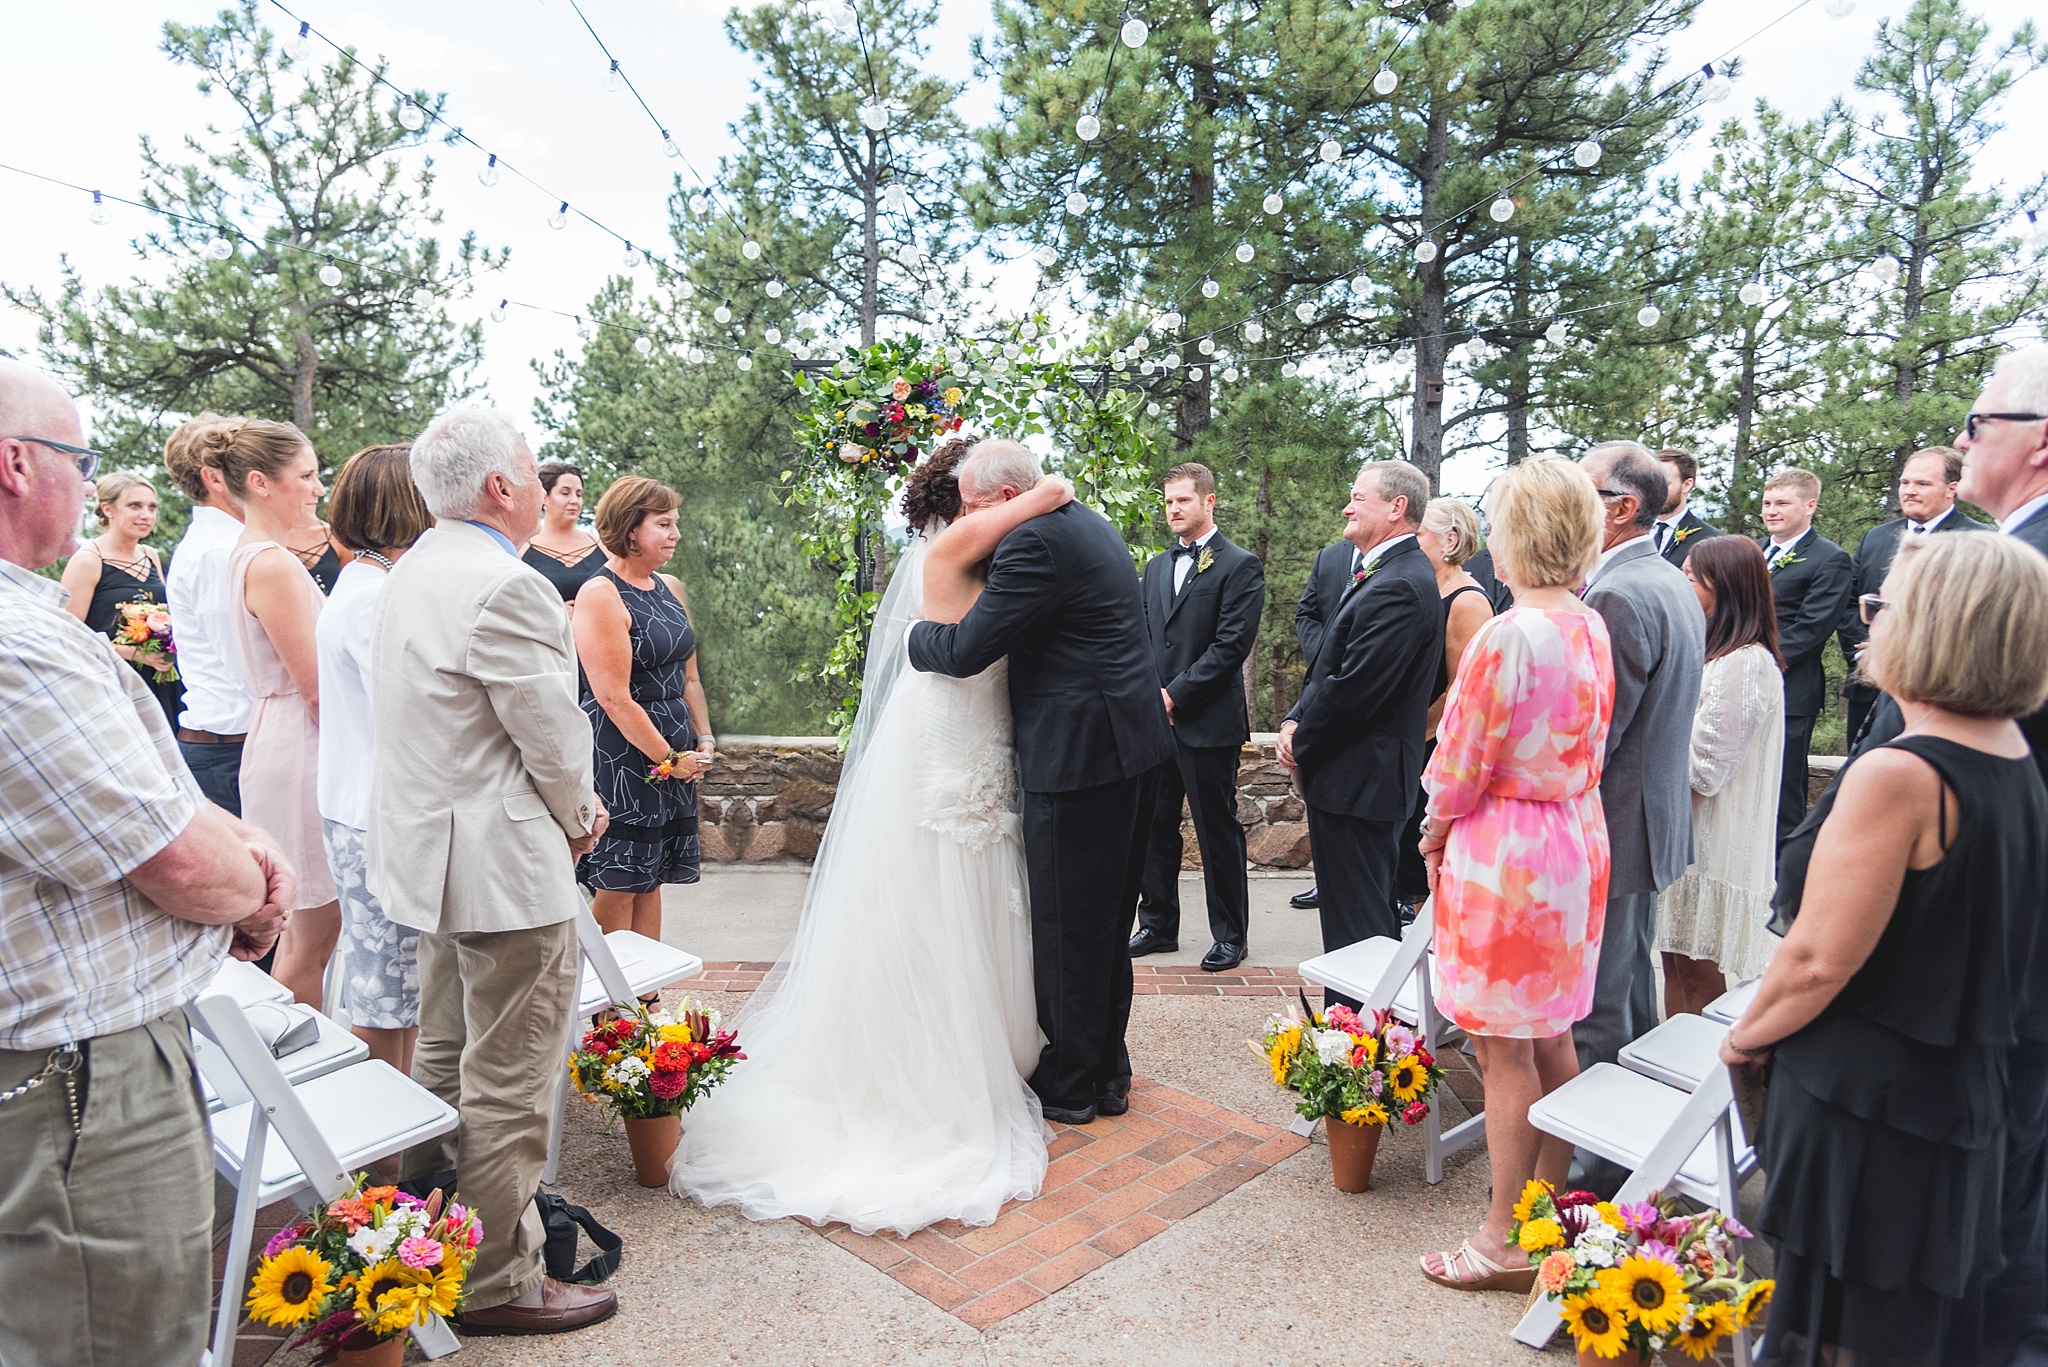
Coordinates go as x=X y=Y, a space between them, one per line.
x=883 y=1083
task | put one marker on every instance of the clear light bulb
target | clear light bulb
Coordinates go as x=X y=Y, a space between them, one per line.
x=1134 y=32
x=696 y=355
x=330 y=275
x=1151 y=409
x=642 y=345
x=1716 y=87
x=1425 y=251
x=1245 y=251
x=1557 y=332
x=1840 y=9
x=582 y=328
x=1118 y=362
x=1360 y=285
x=1171 y=320
x=772 y=336
x=1289 y=369
x=1331 y=150
x=498 y=313
x=773 y=289
x=751 y=250
x=1501 y=210
x=1077 y=203
x=1207 y=346
x=700 y=205
x=685 y=290
x=300 y=44
x=1305 y=311
x=1045 y=255
x=1230 y=373
x=1649 y=315
x=669 y=146
x=487 y=174
x=722 y=314
x=1886 y=268
x=840 y=16
x=1147 y=367
x=1210 y=289
x=220 y=249
x=2037 y=230
x=412 y=117
x=422 y=295
x=1140 y=342
x=614 y=80
x=1385 y=82
x=100 y=213
x=896 y=197
x=1752 y=294
x=1170 y=361
x=875 y=115
x=559 y=219
x=800 y=351
x=1587 y=154
x=1011 y=351
x=1273 y=204
x=745 y=362
x=1194 y=372
x=633 y=258
x=1087 y=128
x=1254 y=332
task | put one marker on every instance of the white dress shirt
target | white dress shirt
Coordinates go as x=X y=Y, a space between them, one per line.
x=1372 y=556
x=197 y=583
x=348 y=735
x=1184 y=565
x=1666 y=528
x=1779 y=548
x=1922 y=528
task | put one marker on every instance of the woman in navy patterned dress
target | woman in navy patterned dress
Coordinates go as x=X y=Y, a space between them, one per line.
x=646 y=708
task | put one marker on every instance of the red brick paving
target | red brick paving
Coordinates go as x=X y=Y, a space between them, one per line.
x=1111 y=1186
x=1171 y=980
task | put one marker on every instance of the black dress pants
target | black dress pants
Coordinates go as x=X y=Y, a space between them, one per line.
x=1792 y=788
x=1355 y=862
x=1085 y=853
x=1207 y=777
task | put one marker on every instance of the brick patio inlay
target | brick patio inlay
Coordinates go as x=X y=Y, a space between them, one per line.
x=1110 y=1186
x=1171 y=980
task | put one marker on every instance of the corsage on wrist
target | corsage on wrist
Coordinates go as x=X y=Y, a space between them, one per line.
x=666 y=769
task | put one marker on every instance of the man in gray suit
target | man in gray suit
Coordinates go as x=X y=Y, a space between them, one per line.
x=1659 y=638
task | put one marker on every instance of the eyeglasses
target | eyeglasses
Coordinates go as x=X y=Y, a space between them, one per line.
x=1970 y=422
x=1611 y=493
x=1869 y=605
x=87 y=459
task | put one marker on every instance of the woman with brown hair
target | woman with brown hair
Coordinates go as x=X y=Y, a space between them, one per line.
x=1711 y=922
x=565 y=553
x=646 y=706
x=272 y=472
x=116 y=568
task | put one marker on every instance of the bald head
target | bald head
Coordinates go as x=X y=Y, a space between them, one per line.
x=31 y=402
x=42 y=495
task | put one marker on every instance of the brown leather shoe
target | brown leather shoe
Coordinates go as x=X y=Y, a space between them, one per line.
x=562 y=1308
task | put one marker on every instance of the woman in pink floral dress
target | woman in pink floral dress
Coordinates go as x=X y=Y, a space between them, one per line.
x=1516 y=840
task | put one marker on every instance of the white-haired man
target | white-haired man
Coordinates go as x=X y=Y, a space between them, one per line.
x=481 y=804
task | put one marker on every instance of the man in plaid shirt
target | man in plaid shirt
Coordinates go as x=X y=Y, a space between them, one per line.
x=121 y=891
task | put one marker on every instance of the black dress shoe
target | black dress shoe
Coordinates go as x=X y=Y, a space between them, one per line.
x=1152 y=942
x=1064 y=1116
x=1306 y=901
x=1222 y=956
x=1116 y=1098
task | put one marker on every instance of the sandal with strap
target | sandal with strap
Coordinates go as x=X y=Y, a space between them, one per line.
x=1492 y=1276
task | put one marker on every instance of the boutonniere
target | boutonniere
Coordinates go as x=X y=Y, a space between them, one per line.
x=1360 y=576
x=1682 y=534
x=1789 y=558
x=1205 y=559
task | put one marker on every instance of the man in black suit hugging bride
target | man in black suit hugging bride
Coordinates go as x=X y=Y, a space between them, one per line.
x=1062 y=602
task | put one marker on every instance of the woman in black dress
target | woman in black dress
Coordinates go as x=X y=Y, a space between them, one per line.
x=1891 y=1014
x=115 y=568
x=564 y=552
x=646 y=707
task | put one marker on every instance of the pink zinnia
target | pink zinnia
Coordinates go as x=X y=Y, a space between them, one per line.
x=282 y=1240
x=1638 y=1216
x=420 y=1254
x=668 y=1086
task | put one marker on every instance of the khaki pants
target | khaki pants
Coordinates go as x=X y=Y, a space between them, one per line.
x=106 y=1236
x=494 y=1027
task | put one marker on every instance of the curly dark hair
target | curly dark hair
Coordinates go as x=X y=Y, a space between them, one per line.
x=934 y=487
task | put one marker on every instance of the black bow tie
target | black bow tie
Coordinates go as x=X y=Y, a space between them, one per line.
x=1179 y=549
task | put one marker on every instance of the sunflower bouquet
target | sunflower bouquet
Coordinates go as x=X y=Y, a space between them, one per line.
x=366 y=1266
x=645 y=1064
x=1347 y=1068
x=1641 y=1277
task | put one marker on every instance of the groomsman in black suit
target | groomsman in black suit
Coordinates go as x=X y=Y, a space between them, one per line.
x=1328 y=581
x=1810 y=579
x=1355 y=737
x=1927 y=498
x=1678 y=529
x=1203 y=598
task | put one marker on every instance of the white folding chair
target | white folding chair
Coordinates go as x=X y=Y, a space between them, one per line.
x=617 y=969
x=330 y=1125
x=1389 y=974
x=1681 y=1053
x=222 y=1085
x=1729 y=1006
x=247 y=984
x=1669 y=1141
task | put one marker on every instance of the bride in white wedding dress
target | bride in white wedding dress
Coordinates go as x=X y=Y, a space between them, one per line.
x=886 y=1054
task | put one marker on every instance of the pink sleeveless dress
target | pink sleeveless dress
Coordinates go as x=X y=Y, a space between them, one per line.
x=280 y=758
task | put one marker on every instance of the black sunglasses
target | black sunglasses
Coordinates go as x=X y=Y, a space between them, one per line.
x=1869 y=605
x=1970 y=422
x=87 y=459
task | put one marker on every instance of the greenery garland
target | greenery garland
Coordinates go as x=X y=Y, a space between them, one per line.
x=883 y=408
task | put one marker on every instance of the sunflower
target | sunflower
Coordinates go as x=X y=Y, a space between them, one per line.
x=289 y=1289
x=1711 y=1323
x=1754 y=1302
x=1597 y=1323
x=1540 y=1234
x=1534 y=1190
x=1371 y=1113
x=444 y=1286
x=389 y=1296
x=1650 y=1290
x=1407 y=1077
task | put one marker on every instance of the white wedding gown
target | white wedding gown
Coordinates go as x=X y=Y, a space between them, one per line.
x=886 y=1054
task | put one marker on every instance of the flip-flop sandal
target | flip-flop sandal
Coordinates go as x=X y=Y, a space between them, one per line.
x=1493 y=1277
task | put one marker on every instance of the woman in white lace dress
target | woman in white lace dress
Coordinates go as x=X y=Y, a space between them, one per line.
x=886 y=1054
x=1712 y=923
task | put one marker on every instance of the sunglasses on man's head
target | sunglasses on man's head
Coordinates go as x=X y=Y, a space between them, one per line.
x=87 y=459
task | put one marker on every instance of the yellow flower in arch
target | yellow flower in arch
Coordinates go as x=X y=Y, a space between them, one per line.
x=1650 y=1290
x=1597 y=1323
x=289 y=1289
x=1711 y=1323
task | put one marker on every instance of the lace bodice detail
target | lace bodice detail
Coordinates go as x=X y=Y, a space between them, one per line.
x=967 y=758
x=1737 y=693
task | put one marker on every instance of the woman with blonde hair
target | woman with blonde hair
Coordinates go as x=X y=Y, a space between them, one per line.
x=272 y=472
x=1516 y=840
x=1904 y=1016
x=115 y=568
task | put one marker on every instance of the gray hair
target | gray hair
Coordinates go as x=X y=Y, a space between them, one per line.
x=2029 y=370
x=1399 y=479
x=1633 y=470
x=460 y=449
x=989 y=465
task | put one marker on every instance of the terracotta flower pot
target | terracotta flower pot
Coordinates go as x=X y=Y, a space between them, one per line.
x=653 y=1142
x=1589 y=1358
x=384 y=1353
x=1352 y=1148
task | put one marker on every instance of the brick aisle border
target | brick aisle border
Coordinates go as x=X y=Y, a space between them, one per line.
x=1172 y=980
x=1111 y=1186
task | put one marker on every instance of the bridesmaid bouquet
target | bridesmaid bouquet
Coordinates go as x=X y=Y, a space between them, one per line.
x=147 y=627
x=1638 y=1278
x=1347 y=1068
x=366 y=1266
x=645 y=1064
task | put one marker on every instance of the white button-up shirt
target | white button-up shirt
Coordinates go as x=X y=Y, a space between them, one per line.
x=1183 y=565
x=348 y=733
x=216 y=692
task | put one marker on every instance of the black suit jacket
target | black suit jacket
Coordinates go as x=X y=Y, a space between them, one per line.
x=1810 y=593
x=1480 y=567
x=1201 y=637
x=1062 y=603
x=1328 y=581
x=1360 y=721
x=1686 y=533
x=1872 y=561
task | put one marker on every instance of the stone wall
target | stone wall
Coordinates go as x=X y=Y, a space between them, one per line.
x=767 y=798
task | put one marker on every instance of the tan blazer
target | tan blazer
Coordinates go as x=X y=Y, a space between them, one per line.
x=482 y=768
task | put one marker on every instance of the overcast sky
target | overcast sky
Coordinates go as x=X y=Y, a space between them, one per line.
x=524 y=78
